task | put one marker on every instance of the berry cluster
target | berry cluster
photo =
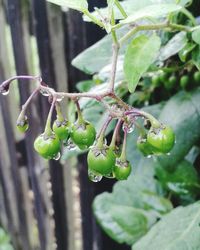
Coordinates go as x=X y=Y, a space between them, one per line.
x=104 y=160
x=186 y=79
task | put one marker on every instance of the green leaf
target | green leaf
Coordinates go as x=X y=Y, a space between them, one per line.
x=122 y=223
x=183 y=180
x=177 y=43
x=84 y=86
x=133 y=207
x=152 y=11
x=196 y=36
x=100 y=52
x=196 y=57
x=141 y=53
x=179 y=230
x=131 y=7
x=80 y=5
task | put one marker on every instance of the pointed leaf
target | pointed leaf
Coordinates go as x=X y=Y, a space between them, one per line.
x=141 y=53
x=177 y=43
x=80 y=5
x=152 y=11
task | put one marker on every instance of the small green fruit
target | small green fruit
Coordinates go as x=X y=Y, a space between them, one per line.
x=122 y=169
x=101 y=160
x=83 y=135
x=47 y=146
x=61 y=129
x=161 y=139
x=23 y=125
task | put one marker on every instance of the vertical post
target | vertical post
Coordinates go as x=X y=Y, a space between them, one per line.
x=14 y=16
x=48 y=75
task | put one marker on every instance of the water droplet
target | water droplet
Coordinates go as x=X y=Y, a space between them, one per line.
x=93 y=176
x=149 y=156
x=59 y=98
x=45 y=92
x=57 y=157
x=128 y=127
x=110 y=176
x=6 y=92
x=69 y=145
x=168 y=153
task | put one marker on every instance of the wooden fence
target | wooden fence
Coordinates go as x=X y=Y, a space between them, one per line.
x=37 y=198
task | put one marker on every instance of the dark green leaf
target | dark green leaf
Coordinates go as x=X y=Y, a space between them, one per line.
x=179 y=230
x=196 y=36
x=100 y=52
x=141 y=53
x=183 y=180
x=196 y=57
x=177 y=43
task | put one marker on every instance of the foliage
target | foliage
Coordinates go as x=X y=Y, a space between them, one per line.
x=155 y=60
x=4 y=241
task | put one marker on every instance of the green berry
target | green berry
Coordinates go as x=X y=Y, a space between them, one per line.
x=47 y=146
x=101 y=160
x=171 y=82
x=23 y=125
x=122 y=169
x=197 y=77
x=144 y=146
x=61 y=129
x=184 y=81
x=83 y=135
x=161 y=139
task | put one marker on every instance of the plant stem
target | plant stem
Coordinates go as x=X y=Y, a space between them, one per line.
x=120 y=8
x=154 y=122
x=101 y=134
x=123 y=154
x=93 y=18
x=113 y=32
x=59 y=112
x=153 y=27
x=48 y=130
x=8 y=81
x=26 y=104
x=116 y=48
x=115 y=134
x=80 y=116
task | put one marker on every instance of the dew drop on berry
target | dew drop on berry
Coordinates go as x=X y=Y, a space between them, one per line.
x=94 y=177
x=69 y=145
x=57 y=157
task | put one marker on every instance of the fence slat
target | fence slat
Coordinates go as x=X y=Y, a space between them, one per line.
x=13 y=7
x=48 y=75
